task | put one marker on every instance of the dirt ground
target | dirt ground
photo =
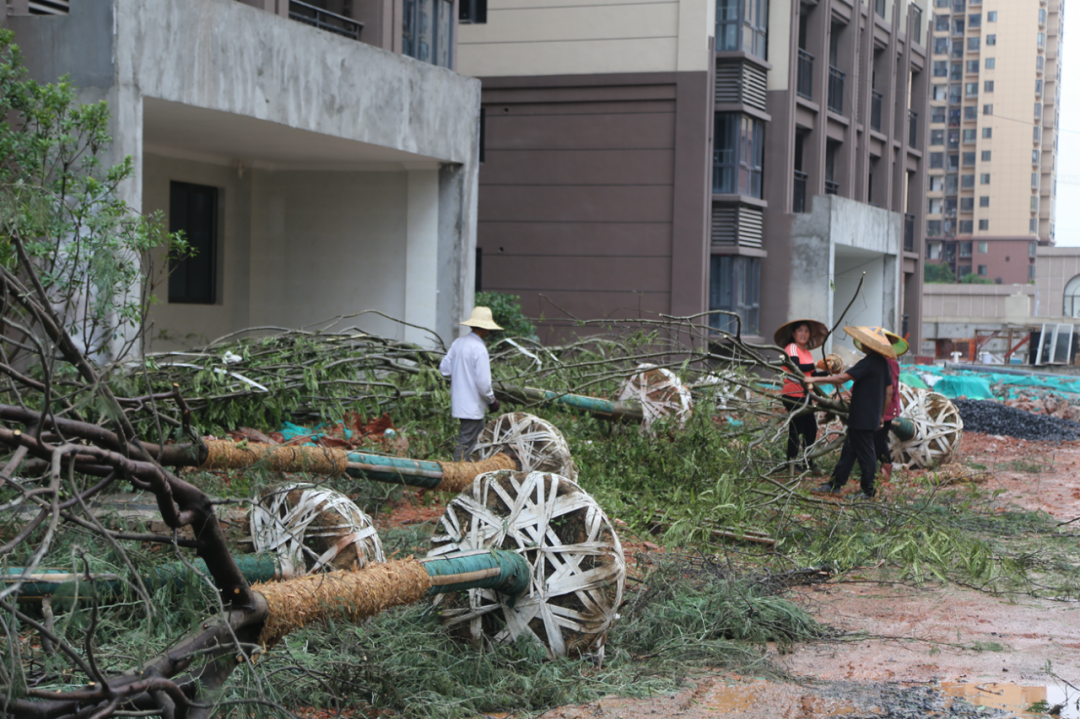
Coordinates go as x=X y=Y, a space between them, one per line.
x=922 y=646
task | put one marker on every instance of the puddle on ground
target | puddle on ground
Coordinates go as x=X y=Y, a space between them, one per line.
x=1013 y=697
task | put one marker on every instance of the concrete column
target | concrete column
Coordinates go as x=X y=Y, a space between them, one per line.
x=422 y=252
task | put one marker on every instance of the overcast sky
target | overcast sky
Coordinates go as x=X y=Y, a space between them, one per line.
x=1068 y=192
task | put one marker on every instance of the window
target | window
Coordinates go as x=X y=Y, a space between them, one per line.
x=1034 y=203
x=957 y=49
x=991 y=16
x=1033 y=225
x=967 y=204
x=965 y=229
x=1072 y=297
x=1038 y=110
x=934 y=206
x=738 y=154
x=984 y=178
x=988 y=109
x=941 y=46
x=472 y=12
x=963 y=249
x=1031 y=271
x=991 y=62
x=193 y=210
x=954 y=117
x=969 y=159
x=734 y=285
x=984 y=225
x=954 y=94
x=937 y=137
x=1040 y=62
x=951 y=184
x=1040 y=40
x=967 y=181
x=958 y=26
x=986 y=155
x=984 y=247
x=971 y=89
x=941 y=23
x=975 y=20
x=1034 y=157
x=984 y=201
x=988 y=132
x=1042 y=16
x=742 y=25
x=971 y=112
x=963 y=270
x=950 y=210
x=1032 y=248
x=954 y=161
x=1038 y=86
x=973 y=43
x=982 y=269
x=990 y=40
x=953 y=138
x=941 y=93
x=972 y=67
x=426 y=33
x=938 y=114
x=1036 y=134
x=941 y=68
x=956 y=72
x=969 y=135
x=933 y=229
x=937 y=182
x=988 y=85
x=1035 y=180
x=937 y=160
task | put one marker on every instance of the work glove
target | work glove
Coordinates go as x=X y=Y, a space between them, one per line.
x=494 y=406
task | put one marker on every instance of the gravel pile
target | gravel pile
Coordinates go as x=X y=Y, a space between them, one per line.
x=992 y=417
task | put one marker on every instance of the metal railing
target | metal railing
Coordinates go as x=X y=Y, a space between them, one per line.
x=913 y=128
x=909 y=233
x=875 y=110
x=805 y=85
x=324 y=19
x=836 y=90
x=832 y=188
x=799 y=203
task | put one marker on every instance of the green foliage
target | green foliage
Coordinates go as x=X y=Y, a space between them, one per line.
x=971 y=278
x=507 y=312
x=938 y=274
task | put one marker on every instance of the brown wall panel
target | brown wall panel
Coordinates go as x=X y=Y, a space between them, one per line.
x=568 y=238
x=552 y=305
x=628 y=107
x=594 y=274
x=580 y=132
x=600 y=203
x=578 y=167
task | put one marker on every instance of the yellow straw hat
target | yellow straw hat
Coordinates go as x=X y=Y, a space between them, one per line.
x=872 y=339
x=899 y=344
x=481 y=317
x=786 y=334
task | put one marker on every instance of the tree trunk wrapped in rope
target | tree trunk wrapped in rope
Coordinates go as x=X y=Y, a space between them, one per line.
x=578 y=569
x=535 y=443
x=660 y=393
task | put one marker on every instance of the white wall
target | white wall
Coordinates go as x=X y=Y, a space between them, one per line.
x=867 y=311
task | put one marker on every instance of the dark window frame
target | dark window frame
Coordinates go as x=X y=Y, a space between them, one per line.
x=193 y=280
x=738 y=154
x=735 y=286
x=411 y=43
x=472 y=12
x=735 y=31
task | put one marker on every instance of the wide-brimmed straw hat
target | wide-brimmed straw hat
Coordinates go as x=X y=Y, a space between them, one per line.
x=786 y=334
x=873 y=339
x=899 y=344
x=481 y=317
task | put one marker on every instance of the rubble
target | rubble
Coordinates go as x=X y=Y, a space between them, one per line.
x=992 y=417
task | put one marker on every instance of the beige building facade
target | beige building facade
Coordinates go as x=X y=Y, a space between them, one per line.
x=994 y=102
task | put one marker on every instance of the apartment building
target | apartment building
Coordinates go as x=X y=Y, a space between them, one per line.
x=993 y=135
x=651 y=158
x=322 y=156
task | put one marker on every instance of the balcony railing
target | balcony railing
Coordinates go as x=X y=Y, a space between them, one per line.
x=836 y=90
x=875 y=110
x=913 y=128
x=799 y=204
x=832 y=188
x=324 y=19
x=805 y=86
x=909 y=233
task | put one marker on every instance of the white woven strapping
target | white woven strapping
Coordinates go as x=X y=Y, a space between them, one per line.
x=536 y=444
x=938 y=429
x=660 y=394
x=281 y=527
x=578 y=569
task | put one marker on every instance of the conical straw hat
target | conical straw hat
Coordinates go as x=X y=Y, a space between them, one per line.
x=786 y=334
x=872 y=339
x=899 y=344
x=481 y=317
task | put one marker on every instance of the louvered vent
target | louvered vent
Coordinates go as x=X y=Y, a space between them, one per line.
x=729 y=83
x=753 y=86
x=742 y=226
x=50 y=7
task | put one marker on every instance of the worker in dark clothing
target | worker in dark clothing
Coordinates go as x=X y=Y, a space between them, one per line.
x=871 y=394
x=798 y=338
x=892 y=409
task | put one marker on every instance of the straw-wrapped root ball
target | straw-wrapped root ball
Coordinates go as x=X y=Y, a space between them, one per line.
x=937 y=427
x=314 y=529
x=659 y=392
x=536 y=445
x=578 y=569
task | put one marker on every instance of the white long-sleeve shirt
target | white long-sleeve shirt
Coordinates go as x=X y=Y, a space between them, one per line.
x=469 y=370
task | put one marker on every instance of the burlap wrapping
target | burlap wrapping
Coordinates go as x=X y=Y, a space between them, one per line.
x=660 y=394
x=535 y=443
x=578 y=566
x=340 y=595
x=224 y=454
x=459 y=475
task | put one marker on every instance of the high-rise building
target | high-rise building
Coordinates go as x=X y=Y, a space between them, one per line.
x=759 y=156
x=993 y=135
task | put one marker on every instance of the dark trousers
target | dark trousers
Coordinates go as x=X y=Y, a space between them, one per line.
x=802 y=430
x=470 y=430
x=858 y=445
x=881 y=444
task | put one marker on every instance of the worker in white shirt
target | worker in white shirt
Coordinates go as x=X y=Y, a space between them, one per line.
x=468 y=368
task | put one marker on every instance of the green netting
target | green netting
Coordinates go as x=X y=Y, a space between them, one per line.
x=1007 y=386
x=913 y=380
x=961 y=386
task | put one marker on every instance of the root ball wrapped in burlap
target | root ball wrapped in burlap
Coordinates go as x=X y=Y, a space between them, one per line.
x=314 y=529
x=660 y=394
x=577 y=561
x=535 y=443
